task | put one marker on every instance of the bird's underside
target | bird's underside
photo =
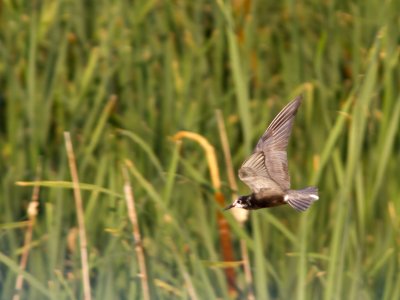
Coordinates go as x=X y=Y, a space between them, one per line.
x=265 y=199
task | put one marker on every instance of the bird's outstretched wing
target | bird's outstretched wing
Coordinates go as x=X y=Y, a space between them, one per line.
x=267 y=167
x=254 y=173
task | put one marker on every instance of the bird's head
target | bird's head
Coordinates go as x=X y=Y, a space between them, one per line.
x=240 y=202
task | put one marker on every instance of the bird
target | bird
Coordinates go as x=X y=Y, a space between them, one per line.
x=266 y=170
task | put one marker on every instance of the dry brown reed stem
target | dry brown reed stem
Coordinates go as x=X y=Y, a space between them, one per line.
x=241 y=215
x=32 y=212
x=227 y=153
x=224 y=231
x=80 y=215
x=130 y=204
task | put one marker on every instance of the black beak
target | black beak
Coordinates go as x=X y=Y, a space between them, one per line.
x=229 y=206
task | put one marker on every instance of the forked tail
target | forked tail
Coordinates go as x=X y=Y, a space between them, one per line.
x=300 y=200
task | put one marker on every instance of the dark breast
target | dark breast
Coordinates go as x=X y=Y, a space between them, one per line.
x=262 y=200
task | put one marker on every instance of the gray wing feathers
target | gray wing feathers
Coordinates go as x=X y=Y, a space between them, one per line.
x=272 y=144
x=278 y=132
x=277 y=166
x=255 y=174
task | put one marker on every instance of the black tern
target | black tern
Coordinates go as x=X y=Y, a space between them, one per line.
x=266 y=170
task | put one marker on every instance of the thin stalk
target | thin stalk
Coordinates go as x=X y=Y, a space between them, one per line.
x=32 y=213
x=80 y=216
x=130 y=204
x=240 y=215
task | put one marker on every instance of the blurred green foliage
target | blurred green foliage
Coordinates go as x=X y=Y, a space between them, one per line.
x=153 y=68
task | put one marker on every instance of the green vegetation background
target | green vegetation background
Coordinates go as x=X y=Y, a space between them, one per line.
x=154 y=68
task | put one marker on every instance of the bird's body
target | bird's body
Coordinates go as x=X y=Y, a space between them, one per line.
x=263 y=199
x=266 y=170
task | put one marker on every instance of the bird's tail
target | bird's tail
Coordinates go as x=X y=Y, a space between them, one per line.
x=300 y=200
